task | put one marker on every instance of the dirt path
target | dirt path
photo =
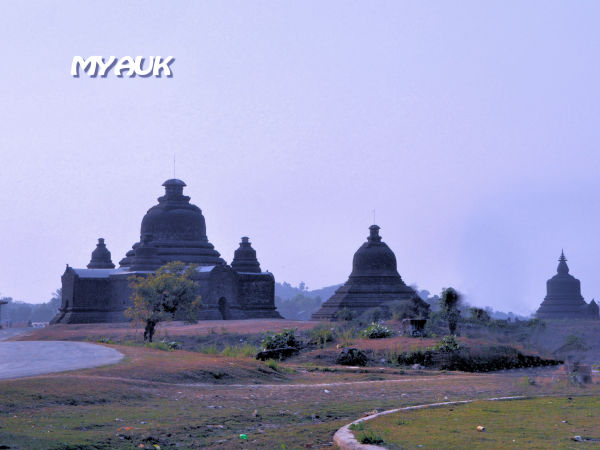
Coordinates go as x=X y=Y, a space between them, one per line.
x=28 y=358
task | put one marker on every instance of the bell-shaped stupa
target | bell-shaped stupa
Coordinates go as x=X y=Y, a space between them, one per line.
x=177 y=229
x=563 y=296
x=374 y=280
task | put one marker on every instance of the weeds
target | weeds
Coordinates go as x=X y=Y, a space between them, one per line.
x=271 y=363
x=360 y=426
x=369 y=437
x=320 y=335
x=235 y=351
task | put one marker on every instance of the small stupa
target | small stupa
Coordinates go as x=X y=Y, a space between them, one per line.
x=101 y=258
x=244 y=258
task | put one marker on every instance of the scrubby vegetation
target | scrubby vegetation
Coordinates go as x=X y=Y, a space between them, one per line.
x=376 y=331
x=449 y=354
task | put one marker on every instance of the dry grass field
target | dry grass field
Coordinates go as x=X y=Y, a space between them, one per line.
x=188 y=399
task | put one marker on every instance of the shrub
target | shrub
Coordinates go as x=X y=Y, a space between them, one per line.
x=376 y=331
x=409 y=309
x=448 y=344
x=272 y=364
x=352 y=357
x=320 y=335
x=344 y=314
x=286 y=338
x=369 y=437
x=576 y=343
x=360 y=426
x=209 y=349
x=479 y=315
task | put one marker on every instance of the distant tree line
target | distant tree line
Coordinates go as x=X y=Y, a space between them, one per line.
x=21 y=312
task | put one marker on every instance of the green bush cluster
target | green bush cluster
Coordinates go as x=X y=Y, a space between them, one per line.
x=376 y=331
x=286 y=338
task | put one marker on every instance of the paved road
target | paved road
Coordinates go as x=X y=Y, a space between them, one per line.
x=7 y=333
x=29 y=358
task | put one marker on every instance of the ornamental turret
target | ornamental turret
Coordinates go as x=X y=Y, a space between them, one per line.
x=101 y=258
x=244 y=258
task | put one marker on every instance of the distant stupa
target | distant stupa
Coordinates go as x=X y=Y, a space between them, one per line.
x=563 y=298
x=374 y=280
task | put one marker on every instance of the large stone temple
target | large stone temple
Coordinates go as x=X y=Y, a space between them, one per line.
x=172 y=230
x=563 y=297
x=374 y=281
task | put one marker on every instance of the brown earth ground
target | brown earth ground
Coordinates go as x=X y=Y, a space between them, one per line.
x=184 y=399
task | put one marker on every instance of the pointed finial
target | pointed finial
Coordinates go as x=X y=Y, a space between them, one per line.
x=562 y=264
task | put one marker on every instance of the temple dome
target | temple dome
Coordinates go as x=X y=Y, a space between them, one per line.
x=244 y=258
x=564 y=284
x=101 y=258
x=177 y=228
x=374 y=257
x=174 y=218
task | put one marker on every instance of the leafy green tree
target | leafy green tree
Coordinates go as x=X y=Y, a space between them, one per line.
x=479 y=315
x=158 y=296
x=449 y=308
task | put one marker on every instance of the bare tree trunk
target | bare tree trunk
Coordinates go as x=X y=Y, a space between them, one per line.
x=149 y=330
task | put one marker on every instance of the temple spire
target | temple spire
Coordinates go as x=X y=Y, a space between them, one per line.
x=374 y=234
x=562 y=264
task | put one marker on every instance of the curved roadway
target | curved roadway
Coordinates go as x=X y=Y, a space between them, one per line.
x=29 y=358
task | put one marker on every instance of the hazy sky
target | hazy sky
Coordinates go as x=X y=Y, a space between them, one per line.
x=470 y=127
